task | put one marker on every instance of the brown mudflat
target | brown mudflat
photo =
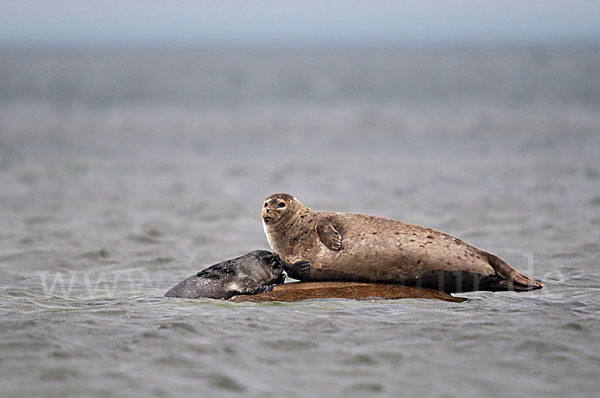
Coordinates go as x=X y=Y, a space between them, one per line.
x=297 y=291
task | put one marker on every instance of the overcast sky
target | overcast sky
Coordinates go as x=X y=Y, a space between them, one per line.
x=281 y=22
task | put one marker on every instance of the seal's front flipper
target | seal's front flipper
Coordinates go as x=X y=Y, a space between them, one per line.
x=299 y=270
x=247 y=286
x=329 y=235
x=264 y=289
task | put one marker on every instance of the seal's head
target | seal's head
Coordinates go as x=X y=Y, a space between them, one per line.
x=279 y=208
x=263 y=266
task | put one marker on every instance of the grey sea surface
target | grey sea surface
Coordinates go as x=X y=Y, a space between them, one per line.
x=123 y=173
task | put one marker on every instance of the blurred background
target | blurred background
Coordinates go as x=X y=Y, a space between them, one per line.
x=152 y=23
x=139 y=138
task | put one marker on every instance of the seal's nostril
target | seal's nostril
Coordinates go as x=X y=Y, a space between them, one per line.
x=268 y=210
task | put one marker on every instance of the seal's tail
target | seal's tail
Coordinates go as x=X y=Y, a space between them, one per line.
x=509 y=278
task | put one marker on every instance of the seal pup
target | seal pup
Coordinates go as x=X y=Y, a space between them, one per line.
x=328 y=246
x=252 y=273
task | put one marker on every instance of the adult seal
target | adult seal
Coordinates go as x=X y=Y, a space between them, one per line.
x=252 y=273
x=328 y=246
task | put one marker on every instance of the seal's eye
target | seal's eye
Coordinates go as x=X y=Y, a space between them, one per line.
x=266 y=204
x=281 y=204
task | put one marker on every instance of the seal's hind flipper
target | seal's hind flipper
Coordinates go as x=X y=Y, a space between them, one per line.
x=299 y=270
x=329 y=235
x=510 y=278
